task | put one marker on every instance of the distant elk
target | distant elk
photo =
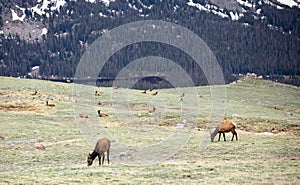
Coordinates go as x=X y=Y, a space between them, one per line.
x=152 y=110
x=102 y=114
x=50 y=104
x=102 y=146
x=84 y=115
x=144 y=92
x=154 y=94
x=35 y=93
x=222 y=128
x=97 y=93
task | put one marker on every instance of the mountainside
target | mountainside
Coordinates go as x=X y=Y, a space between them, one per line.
x=47 y=38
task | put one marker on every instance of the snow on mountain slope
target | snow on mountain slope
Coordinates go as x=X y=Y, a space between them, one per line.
x=238 y=7
x=16 y=18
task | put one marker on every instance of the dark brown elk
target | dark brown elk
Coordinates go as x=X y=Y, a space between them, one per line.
x=102 y=146
x=50 y=104
x=222 y=128
x=102 y=114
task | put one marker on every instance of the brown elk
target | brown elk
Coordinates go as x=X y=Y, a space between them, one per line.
x=144 y=92
x=222 y=128
x=102 y=114
x=154 y=94
x=97 y=93
x=40 y=147
x=84 y=115
x=50 y=104
x=33 y=94
x=102 y=146
x=152 y=110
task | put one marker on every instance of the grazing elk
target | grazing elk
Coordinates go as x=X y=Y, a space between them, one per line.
x=222 y=128
x=102 y=114
x=84 y=115
x=50 y=104
x=102 y=146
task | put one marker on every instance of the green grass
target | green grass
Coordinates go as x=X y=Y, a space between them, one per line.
x=156 y=152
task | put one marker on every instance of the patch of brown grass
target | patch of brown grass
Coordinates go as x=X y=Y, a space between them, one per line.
x=18 y=106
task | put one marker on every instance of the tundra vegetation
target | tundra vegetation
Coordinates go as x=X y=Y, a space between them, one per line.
x=266 y=113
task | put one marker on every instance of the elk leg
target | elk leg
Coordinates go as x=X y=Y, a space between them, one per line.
x=219 y=136
x=99 y=157
x=108 y=156
x=103 y=159
x=224 y=136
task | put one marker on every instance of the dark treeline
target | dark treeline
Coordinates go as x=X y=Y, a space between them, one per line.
x=254 y=47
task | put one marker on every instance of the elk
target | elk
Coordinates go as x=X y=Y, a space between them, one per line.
x=40 y=147
x=144 y=92
x=33 y=94
x=222 y=128
x=50 y=104
x=152 y=110
x=102 y=114
x=155 y=93
x=97 y=93
x=102 y=146
x=84 y=115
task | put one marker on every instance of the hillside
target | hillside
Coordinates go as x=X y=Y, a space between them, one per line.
x=258 y=36
x=266 y=113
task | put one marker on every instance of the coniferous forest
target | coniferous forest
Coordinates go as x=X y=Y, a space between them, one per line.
x=239 y=47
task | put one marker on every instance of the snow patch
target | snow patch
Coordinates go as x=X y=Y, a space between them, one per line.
x=289 y=3
x=208 y=8
x=235 y=16
x=246 y=3
x=15 y=16
x=44 y=31
x=106 y=2
x=221 y=14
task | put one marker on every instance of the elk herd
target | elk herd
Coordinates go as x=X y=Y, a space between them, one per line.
x=103 y=144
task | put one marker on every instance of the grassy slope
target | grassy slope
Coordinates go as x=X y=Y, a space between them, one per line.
x=258 y=157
